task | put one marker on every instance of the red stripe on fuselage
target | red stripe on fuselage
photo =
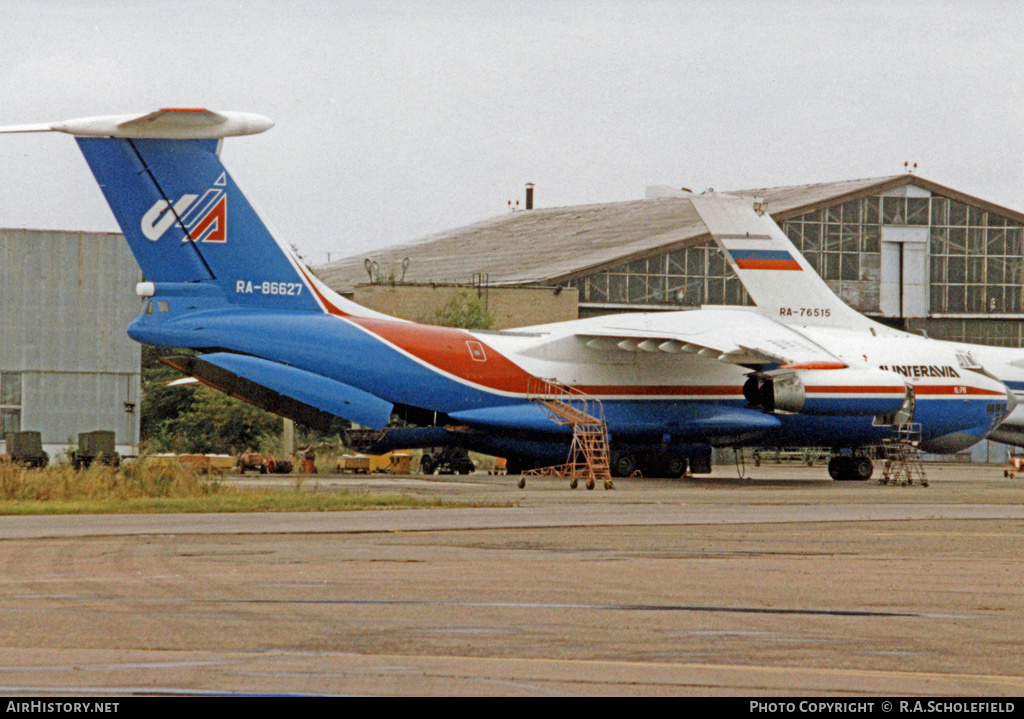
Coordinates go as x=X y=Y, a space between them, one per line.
x=955 y=390
x=445 y=348
x=769 y=265
x=825 y=389
x=327 y=305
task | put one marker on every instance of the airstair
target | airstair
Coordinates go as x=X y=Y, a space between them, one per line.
x=902 y=454
x=588 y=454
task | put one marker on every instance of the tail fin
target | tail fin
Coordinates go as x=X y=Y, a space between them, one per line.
x=186 y=220
x=181 y=212
x=776 y=276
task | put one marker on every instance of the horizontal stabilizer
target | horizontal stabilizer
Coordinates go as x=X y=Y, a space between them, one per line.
x=166 y=124
x=302 y=396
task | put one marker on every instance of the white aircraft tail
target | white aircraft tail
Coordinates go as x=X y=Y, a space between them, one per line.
x=776 y=276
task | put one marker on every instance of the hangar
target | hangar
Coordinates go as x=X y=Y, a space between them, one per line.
x=66 y=364
x=901 y=249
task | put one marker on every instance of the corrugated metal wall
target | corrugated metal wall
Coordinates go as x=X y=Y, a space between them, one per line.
x=66 y=299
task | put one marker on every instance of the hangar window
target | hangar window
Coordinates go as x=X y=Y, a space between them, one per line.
x=691 y=276
x=10 y=402
x=843 y=245
x=977 y=265
x=10 y=389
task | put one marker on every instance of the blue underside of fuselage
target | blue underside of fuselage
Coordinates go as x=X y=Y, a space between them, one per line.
x=337 y=349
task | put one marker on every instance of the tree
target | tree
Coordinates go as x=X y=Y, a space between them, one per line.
x=462 y=310
x=192 y=418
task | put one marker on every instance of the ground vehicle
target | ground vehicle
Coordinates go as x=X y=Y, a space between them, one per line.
x=95 y=446
x=253 y=461
x=446 y=460
x=26 y=449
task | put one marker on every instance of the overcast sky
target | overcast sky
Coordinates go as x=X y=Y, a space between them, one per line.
x=399 y=119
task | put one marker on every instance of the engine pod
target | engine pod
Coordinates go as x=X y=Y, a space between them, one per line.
x=831 y=392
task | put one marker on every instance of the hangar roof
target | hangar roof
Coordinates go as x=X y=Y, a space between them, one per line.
x=551 y=245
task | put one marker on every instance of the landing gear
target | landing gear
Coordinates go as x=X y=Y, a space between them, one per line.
x=675 y=466
x=623 y=464
x=857 y=469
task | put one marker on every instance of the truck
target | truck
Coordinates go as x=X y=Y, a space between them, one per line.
x=25 y=449
x=95 y=446
x=446 y=460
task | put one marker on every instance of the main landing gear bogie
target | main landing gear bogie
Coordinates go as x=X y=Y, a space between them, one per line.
x=856 y=469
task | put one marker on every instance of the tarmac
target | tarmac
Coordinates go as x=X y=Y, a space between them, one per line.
x=782 y=583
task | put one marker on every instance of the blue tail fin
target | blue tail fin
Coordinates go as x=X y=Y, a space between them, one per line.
x=187 y=221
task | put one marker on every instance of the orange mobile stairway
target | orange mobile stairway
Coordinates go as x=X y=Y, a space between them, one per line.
x=588 y=454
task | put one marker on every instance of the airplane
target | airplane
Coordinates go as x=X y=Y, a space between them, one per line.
x=672 y=385
x=806 y=302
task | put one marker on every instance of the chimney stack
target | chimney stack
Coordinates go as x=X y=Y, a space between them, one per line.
x=529 y=195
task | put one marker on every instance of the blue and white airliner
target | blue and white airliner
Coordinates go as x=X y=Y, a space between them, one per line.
x=801 y=369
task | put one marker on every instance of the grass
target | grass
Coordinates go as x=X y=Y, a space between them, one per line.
x=142 y=487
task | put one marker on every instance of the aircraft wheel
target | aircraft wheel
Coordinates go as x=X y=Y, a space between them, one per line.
x=839 y=468
x=863 y=469
x=590 y=484
x=675 y=467
x=574 y=483
x=522 y=482
x=623 y=464
x=609 y=484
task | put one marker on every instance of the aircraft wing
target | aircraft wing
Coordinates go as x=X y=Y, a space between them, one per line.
x=732 y=336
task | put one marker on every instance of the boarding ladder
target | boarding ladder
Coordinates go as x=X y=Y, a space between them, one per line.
x=902 y=454
x=588 y=453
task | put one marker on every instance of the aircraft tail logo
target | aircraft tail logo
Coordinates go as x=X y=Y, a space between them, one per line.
x=205 y=218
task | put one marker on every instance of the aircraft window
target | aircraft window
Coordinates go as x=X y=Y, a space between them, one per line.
x=149 y=307
x=162 y=306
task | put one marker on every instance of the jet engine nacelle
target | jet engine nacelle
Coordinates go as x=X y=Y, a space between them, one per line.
x=1010 y=430
x=835 y=392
